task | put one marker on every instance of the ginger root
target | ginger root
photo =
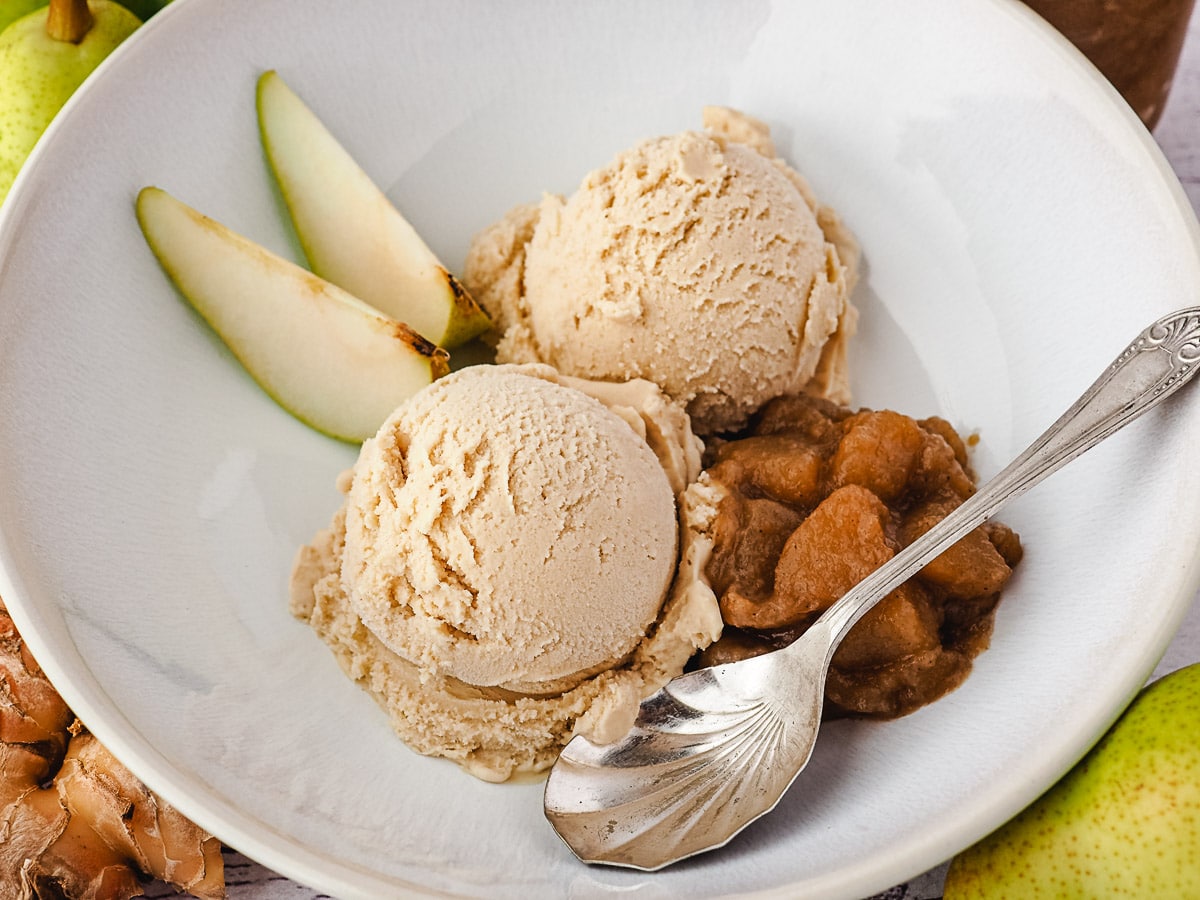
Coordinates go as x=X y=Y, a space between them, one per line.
x=75 y=824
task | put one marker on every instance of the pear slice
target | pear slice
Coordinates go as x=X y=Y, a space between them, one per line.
x=350 y=231
x=323 y=355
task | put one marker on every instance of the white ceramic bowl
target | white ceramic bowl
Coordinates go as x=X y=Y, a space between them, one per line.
x=1018 y=227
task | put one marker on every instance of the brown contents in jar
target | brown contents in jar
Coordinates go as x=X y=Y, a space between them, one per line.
x=818 y=498
x=1135 y=43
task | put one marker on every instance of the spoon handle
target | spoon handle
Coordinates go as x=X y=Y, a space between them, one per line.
x=1158 y=361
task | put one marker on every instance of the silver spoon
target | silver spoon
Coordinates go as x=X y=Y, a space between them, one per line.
x=717 y=748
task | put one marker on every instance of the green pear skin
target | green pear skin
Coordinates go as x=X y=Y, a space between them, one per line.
x=1125 y=822
x=11 y=10
x=326 y=357
x=351 y=233
x=39 y=74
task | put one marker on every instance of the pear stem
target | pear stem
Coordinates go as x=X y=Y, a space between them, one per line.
x=68 y=20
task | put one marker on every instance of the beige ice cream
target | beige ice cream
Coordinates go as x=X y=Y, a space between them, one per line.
x=504 y=572
x=698 y=261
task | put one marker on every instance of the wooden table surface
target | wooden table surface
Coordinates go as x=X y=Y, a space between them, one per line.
x=1178 y=133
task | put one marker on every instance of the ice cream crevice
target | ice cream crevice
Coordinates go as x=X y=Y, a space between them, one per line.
x=457 y=634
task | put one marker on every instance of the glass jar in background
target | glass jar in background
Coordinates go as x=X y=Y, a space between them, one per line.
x=1135 y=43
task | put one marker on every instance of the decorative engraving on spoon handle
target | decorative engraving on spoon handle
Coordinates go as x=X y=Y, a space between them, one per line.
x=1177 y=334
x=1158 y=361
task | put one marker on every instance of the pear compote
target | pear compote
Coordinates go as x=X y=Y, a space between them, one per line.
x=816 y=498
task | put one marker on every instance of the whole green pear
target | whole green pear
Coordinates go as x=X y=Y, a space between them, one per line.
x=1124 y=822
x=39 y=72
x=11 y=10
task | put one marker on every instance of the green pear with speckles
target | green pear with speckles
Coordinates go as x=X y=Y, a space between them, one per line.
x=1125 y=822
x=44 y=57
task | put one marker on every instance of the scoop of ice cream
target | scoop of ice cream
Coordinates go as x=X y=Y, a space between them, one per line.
x=413 y=588
x=696 y=261
x=503 y=529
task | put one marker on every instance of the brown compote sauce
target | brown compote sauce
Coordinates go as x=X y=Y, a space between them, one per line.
x=818 y=497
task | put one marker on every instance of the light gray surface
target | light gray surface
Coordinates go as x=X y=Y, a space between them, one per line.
x=1179 y=136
